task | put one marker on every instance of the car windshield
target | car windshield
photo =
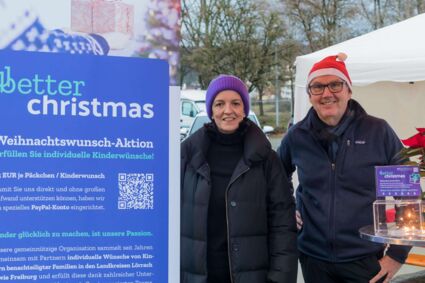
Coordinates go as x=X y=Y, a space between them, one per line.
x=201 y=105
x=200 y=120
x=198 y=123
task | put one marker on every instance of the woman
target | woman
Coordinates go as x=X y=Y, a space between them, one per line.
x=237 y=211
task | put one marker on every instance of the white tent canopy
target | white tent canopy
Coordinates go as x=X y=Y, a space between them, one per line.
x=387 y=69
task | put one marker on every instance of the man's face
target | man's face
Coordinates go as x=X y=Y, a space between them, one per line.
x=332 y=103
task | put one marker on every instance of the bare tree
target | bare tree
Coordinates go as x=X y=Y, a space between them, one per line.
x=407 y=9
x=380 y=13
x=238 y=37
x=375 y=13
x=321 y=22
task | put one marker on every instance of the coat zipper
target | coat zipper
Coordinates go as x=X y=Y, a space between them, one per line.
x=331 y=237
x=227 y=222
x=332 y=216
x=333 y=188
x=333 y=170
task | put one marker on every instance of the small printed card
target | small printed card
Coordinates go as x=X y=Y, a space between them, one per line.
x=397 y=180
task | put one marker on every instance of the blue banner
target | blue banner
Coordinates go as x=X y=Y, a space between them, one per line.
x=84 y=152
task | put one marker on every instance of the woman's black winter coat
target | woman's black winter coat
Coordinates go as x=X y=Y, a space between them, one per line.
x=260 y=213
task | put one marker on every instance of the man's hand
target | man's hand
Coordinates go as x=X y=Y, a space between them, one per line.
x=299 y=220
x=389 y=267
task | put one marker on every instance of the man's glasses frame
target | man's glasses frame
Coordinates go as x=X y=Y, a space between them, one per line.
x=319 y=89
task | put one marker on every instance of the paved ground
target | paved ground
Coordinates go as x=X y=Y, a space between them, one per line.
x=417 y=277
x=408 y=273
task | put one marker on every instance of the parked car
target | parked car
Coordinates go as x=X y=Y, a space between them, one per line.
x=192 y=101
x=202 y=118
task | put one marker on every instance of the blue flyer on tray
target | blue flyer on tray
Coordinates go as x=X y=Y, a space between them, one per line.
x=397 y=180
x=83 y=168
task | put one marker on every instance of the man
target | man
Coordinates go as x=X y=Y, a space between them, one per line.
x=334 y=149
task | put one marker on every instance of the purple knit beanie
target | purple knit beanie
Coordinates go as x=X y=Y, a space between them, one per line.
x=226 y=82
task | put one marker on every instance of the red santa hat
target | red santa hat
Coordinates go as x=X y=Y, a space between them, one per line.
x=330 y=66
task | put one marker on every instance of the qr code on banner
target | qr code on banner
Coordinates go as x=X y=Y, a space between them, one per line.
x=135 y=191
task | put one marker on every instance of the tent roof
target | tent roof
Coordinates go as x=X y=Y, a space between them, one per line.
x=393 y=53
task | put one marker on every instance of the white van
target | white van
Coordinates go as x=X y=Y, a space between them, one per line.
x=192 y=101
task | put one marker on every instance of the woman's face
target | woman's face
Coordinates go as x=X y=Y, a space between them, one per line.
x=228 y=111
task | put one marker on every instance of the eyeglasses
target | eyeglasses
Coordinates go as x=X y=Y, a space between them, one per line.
x=319 y=89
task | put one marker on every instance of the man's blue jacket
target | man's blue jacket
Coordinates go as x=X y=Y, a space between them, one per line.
x=335 y=197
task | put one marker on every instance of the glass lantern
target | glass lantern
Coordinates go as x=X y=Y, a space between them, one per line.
x=398 y=218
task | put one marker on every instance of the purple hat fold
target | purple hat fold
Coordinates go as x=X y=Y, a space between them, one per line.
x=226 y=82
